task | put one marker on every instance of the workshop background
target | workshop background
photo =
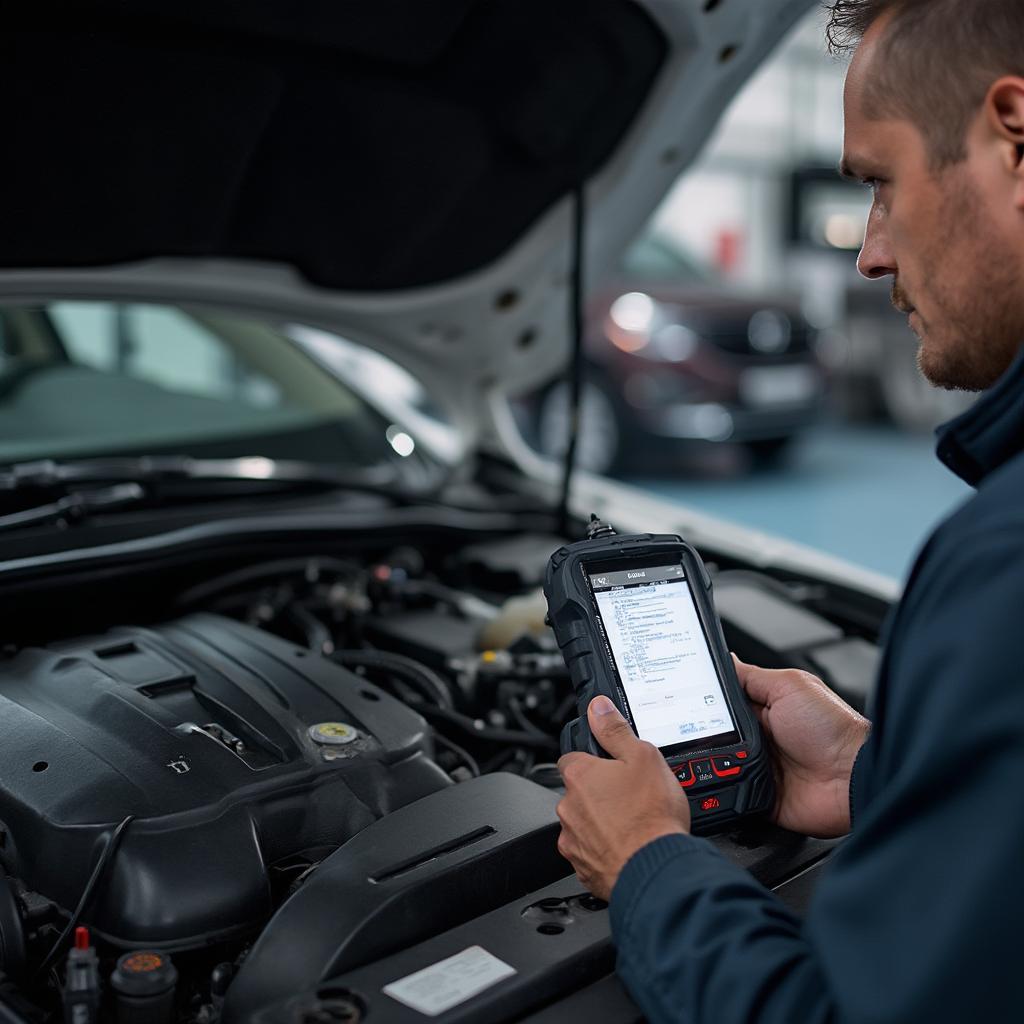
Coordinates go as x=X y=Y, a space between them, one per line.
x=736 y=362
x=770 y=295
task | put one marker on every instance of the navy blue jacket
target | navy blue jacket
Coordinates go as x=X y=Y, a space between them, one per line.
x=920 y=916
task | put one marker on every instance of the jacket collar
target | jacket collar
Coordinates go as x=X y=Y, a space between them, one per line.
x=991 y=432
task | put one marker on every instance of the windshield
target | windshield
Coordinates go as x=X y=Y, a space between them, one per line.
x=84 y=379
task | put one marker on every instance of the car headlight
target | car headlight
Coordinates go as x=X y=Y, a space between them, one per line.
x=675 y=343
x=640 y=325
x=634 y=314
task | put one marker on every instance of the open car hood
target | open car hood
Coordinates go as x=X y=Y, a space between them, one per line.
x=399 y=172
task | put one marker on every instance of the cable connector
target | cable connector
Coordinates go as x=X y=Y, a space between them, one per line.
x=597 y=528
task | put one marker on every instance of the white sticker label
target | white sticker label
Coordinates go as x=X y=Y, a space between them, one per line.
x=449 y=982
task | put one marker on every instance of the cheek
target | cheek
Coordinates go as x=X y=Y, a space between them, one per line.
x=915 y=245
x=904 y=223
x=914 y=212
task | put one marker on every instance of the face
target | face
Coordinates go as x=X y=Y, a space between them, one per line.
x=951 y=239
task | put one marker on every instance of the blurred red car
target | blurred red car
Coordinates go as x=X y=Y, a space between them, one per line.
x=673 y=356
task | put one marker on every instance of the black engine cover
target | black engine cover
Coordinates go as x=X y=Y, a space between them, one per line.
x=201 y=731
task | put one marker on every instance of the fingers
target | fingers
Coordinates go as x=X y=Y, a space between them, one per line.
x=767 y=686
x=568 y=846
x=570 y=765
x=610 y=729
x=763 y=716
x=569 y=849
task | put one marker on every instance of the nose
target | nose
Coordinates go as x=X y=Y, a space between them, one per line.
x=876 y=257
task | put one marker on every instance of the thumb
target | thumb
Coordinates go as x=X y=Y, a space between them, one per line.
x=760 y=683
x=610 y=729
x=767 y=686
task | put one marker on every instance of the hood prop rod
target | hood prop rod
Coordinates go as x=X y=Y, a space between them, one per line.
x=575 y=381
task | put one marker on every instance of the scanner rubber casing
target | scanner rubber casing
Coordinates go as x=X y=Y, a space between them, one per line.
x=573 y=616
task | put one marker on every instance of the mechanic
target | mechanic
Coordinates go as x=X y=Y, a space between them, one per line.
x=918 y=916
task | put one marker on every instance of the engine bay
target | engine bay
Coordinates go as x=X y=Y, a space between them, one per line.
x=292 y=769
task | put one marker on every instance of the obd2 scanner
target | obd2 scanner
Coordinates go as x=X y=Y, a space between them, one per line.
x=635 y=621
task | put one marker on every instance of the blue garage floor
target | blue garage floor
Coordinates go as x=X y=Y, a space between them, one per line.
x=867 y=494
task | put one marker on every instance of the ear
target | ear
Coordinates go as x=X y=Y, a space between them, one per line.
x=1004 y=109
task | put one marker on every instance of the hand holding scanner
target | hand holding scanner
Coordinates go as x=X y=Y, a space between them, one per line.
x=634 y=618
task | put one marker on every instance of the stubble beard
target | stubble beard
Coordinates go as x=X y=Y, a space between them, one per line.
x=976 y=324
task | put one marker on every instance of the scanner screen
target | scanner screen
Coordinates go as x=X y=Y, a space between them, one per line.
x=659 y=650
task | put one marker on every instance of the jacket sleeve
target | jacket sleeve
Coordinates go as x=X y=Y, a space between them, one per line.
x=917 y=917
x=700 y=940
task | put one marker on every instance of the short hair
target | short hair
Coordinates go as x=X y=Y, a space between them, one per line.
x=938 y=60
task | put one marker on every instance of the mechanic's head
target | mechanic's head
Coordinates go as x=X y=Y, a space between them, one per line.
x=935 y=124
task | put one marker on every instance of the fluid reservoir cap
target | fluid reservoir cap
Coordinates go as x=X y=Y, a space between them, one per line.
x=144 y=972
x=332 y=734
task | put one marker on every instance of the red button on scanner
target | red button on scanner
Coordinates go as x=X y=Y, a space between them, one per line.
x=710 y=803
x=684 y=775
x=741 y=754
x=725 y=766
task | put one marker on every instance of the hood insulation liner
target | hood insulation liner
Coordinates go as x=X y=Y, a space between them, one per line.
x=373 y=146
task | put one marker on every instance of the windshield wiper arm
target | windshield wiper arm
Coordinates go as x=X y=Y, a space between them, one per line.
x=75 y=506
x=47 y=474
x=158 y=479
